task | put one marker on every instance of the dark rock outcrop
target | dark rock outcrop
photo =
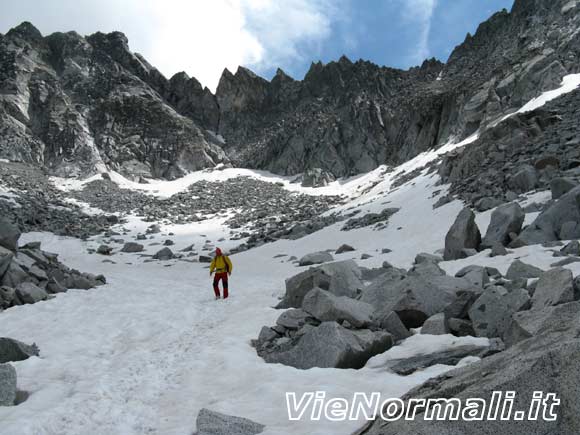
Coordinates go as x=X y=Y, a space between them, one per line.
x=463 y=234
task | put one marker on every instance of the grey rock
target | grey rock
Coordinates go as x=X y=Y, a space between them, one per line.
x=9 y=235
x=413 y=298
x=390 y=322
x=331 y=345
x=560 y=186
x=15 y=275
x=344 y=248
x=462 y=234
x=104 y=250
x=6 y=257
x=325 y=307
x=14 y=350
x=459 y=308
x=491 y=313
x=505 y=220
x=315 y=258
x=342 y=278
x=487 y=203
x=450 y=357
x=214 y=423
x=526 y=324
x=554 y=287
x=498 y=250
x=425 y=258
x=54 y=286
x=476 y=275
x=435 y=325
x=572 y=248
x=164 y=254
x=316 y=177
x=267 y=334
x=460 y=327
x=524 y=180
x=29 y=293
x=545 y=362
x=518 y=269
x=293 y=319
x=132 y=247
x=7 y=297
x=548 y=225
x=7 y=385
x=570 y=230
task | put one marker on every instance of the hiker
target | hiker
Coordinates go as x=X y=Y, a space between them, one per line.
x=223 y=267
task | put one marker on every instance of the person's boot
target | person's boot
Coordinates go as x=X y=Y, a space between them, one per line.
x=217 y=298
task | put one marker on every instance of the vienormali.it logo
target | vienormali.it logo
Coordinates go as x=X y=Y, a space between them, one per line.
x=315 y=406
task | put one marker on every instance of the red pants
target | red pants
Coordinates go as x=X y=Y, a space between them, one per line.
x=223 y=276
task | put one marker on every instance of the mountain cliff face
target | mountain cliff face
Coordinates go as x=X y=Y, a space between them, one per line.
x=76 y=104
x=350 y=117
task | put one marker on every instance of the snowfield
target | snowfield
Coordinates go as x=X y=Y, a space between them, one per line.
x=144 y=353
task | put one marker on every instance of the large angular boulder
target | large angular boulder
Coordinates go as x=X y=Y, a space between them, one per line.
x=526 y=324
x=435 y=325
x=425 y=257
x=14 y=350
x=390 y=322
x=6 y=257
x=331 y=345
x=449 y=357
x=8 y=297
x=15 y=275
x=9 y=235
x=524 y=180
x=559 y=186
x=344 y=248
x=491 y=313
x=30 y=293
x=547 y=362
x=547 y=227
x=463 y=234
x=132 y=247
x=325 y=307
x=293 y=319
x=7 y=385
x=342 y=278
x=556 y=286
x=478 y=276
x=214 y=423
x=518 y=270
x=572 y=248
x=413 y=298
x=459 y=308
x=163 y=254
x=505 y=220
x=315 y=258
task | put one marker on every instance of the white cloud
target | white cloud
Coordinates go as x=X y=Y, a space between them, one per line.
x=420 y=13
x=201 y=37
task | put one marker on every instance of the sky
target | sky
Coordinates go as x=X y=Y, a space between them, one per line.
x=202 y=37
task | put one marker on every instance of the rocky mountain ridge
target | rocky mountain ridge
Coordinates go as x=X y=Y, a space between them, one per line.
x=76 y=104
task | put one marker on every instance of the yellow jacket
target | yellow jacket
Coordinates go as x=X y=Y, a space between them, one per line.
x=221 y=264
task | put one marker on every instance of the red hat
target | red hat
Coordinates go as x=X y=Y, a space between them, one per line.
x=218 y=251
